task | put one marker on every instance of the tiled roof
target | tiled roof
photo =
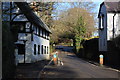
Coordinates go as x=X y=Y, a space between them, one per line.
x=112 y=6
x=31 y=16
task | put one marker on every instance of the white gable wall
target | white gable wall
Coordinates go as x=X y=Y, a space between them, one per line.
x=110 y=25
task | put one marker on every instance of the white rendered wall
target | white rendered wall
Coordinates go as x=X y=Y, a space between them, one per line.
x=29 y=51
x=110 y=25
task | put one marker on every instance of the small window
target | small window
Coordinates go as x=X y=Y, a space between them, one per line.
x=42 y=49
x=42 y=33
x=36 y=30
x=38 y=49
x=32 y=27
x=45 y=34
x=27 y=26
x=31 y=37
x=102 y=22
x=21 y=49
x=45 y=50
x=22 y=27
x=34 y=49
x=39 y=31
x=48 y=36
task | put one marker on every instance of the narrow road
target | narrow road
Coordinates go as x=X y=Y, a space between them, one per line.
x=75 y=67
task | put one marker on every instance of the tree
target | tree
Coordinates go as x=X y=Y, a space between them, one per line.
x=44 y=10
x=71 y=18
x=74 y=23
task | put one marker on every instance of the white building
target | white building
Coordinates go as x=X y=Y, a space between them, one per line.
x=32 y=42
x=109 y=23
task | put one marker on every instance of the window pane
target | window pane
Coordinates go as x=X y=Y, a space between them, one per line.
x=42 y=49
x=42 y=33
x=45 y=50
x=38 y=49
x=39 y=31
x=21 y=49
x=34 y=49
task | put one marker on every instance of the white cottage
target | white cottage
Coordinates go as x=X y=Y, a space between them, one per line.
x=32 y=42
x=109 y=23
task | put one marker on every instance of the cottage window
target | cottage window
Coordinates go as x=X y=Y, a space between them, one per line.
x=22 y=27
x=27 y=27
x=21 y=49
x=34 y=49
x=31 y=37
x=36 y=30
x=38 y=49
x=42 y=49
x=39 y=31
x=45 y=50
x=42 y=33
x=32 y=27
x=47 y=35
x=102 y=22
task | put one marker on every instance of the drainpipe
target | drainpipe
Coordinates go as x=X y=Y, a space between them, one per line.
x=114 y=26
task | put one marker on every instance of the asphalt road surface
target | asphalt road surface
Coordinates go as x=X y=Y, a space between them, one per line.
x=74 y=67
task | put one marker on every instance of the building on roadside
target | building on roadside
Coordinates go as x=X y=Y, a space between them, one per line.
x=109 y=23
x=30 y=32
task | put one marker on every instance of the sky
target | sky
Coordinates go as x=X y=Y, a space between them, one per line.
x=65 y=5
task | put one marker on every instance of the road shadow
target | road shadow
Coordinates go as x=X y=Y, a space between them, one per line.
x=59 y=72
x=30 y=70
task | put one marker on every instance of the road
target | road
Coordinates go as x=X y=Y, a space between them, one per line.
x=75 y=67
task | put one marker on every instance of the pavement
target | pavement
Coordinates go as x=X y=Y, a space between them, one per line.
x=74 y=67
x=30 y=70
